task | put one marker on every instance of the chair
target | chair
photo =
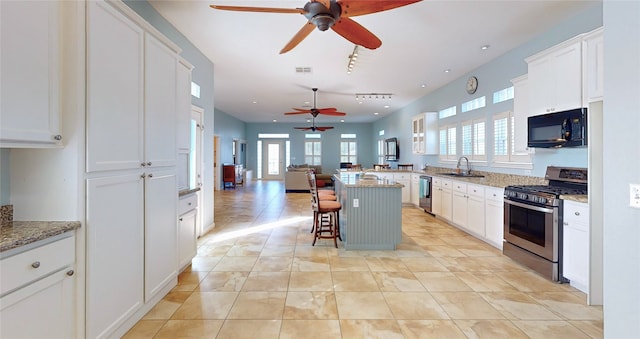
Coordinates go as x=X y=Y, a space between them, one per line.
x=356 y=167
x=325 y=214
x=378 y=167
x=405 y=167
x=228 y=176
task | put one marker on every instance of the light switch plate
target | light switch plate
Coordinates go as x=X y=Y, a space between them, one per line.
x=356 y=203
x=634 y=195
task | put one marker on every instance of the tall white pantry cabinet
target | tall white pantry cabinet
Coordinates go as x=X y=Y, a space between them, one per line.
x=131 y=168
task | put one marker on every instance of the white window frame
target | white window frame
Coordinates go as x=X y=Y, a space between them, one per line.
x=477 y=140
x=512 y=159
x=473 y=104
x=448 y=142
x=313 y=158
x=349 y=157
x=447 y=112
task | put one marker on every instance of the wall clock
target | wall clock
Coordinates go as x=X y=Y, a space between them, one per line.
x=472 y=85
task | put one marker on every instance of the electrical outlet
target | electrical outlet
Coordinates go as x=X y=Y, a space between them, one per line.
x=356 y=203
x=634 y=195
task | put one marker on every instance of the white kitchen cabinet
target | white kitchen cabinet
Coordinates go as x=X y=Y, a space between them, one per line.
x=424 y=133
x=115 y=90
x=415 y=189
x=459 y=208
x=475 y=210
x=38 y=292
x=436 y=195
x=494 y=216
x=594 y=62
x=30 y=97
x=404 y=179
x=555 y=78
x=446 y=200
x=160 y=117
x=521 y=113
x=575 y=244
x=183 y=105
x=115 y=252
x=187 y=243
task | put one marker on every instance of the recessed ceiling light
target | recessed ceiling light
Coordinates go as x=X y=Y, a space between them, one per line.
x=386 y=106
x=341 y=120
x=485 y=47
x=254 y=102
x=274 y=120
x=307 y=103
x=308 y=120
x=423 y=85
x=376 y=113
x=447 y=70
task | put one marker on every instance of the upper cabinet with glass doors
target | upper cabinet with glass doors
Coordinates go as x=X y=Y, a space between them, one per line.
x=424 y=133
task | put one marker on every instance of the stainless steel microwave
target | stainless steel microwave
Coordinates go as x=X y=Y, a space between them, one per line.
x=558 y=129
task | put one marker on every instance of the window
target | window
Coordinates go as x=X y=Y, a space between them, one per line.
x=447 y=112
x=448 y=142
x=473 y=139
x=195 y=90
x=313 y=149
x=504 y=143
x=381 y=146
x=503 y=95
x=348 y=149
x=473 y=104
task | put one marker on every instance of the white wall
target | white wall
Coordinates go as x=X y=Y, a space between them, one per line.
x=621 y=166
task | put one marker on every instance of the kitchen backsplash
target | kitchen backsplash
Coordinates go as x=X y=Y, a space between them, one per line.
x=6 y=214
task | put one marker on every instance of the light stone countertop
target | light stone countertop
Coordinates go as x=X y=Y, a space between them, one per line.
x=20 y=233
x=352 y=179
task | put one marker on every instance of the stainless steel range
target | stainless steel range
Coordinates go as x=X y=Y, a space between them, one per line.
x=533 y=220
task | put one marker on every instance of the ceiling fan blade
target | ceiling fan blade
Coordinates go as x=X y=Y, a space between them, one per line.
x=324 y=128
x=259 y=9
x=334 y=113
x=362 y=7
x=302 y=109
x=356 y=33
x=298 y=112
x=303 y=128
x=327 y=109
x=302 y=33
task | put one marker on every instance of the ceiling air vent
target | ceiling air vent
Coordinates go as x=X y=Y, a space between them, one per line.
x=303 y=70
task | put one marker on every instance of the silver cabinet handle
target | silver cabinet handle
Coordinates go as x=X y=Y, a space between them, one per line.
x=143 y=175
x=149 y=163
x=143 y=164
x=180 y=219
x=577 y=213
x=35 y=264
x=150 y=175
x=70 y=272
x=189 y=204
x=57 y=137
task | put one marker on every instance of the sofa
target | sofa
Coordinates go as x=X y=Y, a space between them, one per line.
x=295 y=179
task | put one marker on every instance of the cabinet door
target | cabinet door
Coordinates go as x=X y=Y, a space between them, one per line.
x=183 y=106
x=30 y=63
x=115 y=243
x=114 y=90
x=415 y=189
x=475 y=215
x=520 y=112
x=436 y=199
x=568 y=77
x=160 y=231
x=160 y=103
x=494 y=216
x=446 y=200
x=594 y=71
x=576 y=244
x=459 y=209
x=541 y=86
x=44 y=309
x=187 y=246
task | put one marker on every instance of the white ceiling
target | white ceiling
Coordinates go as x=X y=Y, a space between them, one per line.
x=254 y=83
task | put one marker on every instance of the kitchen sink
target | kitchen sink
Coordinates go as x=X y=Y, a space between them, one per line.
x=462 y=175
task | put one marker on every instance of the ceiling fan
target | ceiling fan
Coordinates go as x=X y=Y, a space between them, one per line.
x=315 y=111
x=314 y=128
x=334 y=14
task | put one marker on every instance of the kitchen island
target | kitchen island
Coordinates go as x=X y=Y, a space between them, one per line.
x=371 y=215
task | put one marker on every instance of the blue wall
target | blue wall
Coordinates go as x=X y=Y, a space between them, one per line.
x=228 y=128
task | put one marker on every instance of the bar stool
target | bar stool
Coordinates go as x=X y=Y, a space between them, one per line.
x=378 y=167
x=325 y=215
x=405 y=167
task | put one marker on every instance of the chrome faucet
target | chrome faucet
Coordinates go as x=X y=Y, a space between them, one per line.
x=468 y=171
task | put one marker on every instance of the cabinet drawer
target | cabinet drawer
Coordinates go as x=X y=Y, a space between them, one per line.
x=26 y=267
x=187 y=203
x=401 y=176
x=436 y=182
x=447 y=184
x=459 y=186
x=576 y=213
x=475 y=191
x=494 y=194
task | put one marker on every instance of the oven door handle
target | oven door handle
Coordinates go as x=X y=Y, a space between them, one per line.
x=530 y=207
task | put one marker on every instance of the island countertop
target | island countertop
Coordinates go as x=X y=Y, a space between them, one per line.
x=16 y=234
x=352 y=179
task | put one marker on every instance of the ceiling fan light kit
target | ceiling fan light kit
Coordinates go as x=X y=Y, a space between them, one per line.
x=334 y=14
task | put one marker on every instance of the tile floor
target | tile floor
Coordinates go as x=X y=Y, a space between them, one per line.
x=256 y=275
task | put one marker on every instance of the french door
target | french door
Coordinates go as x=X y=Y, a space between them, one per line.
x=273 y=159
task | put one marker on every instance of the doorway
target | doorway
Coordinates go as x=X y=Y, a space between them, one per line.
x=196 y=160
x=273 y=160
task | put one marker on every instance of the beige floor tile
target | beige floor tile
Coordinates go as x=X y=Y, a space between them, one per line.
x=441 y=281
x=189 y=280
x=258 y=305
x=267 y=282
x=593 y=328
x=386 y=264
x=445 y=329
x=213 y=250
x=318 y=263
x=348 y=264
x=527 y=281
x=476 y=329
x=398 y=282
x=461 y=241
x=466 y=264
x=177 y=296
x=427 y=264
x=163 y=310
x=204 y=263
x=235 y=264
x=540 y=329
x=306 y=250
x=443 y=251
x=278 y=250
x=250 y=329
x=245 y=250
x=189 y=329
x=568 y=305
x=414 y=305
x=362 y=305
x=273 y=264
x=310 y=305
x=206 y=305
x=518 y=305
x=485 y=282
x=310 y=329
x=354 y=282
x=310 y=281
x=370 y=329
x=223 y=281
x=144 y=329
x=410 y=251
x=466 y=305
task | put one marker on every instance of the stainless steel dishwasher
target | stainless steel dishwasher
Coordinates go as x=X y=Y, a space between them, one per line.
x=425 y=193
